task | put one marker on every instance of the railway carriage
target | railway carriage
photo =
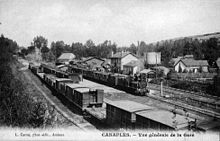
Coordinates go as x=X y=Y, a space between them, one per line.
x=84 y=97
x=60 y=84
x=61 y=74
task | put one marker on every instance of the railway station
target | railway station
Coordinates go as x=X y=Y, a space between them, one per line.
x=120 y=112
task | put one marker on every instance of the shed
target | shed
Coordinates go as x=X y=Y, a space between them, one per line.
x=131 y=67
x=162 y=119
x=94 y=62
x=65 y=58
x=121 y=114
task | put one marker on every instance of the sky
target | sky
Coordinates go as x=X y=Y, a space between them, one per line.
x=121 y=21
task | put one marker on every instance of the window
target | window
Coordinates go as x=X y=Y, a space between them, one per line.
x=93 y=97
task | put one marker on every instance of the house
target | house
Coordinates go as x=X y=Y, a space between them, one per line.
x=191 y=65
x=94 y=62
x=65 y=58
x=107 y=64
x=133 y=67
x=119 y=59
x=173 y=61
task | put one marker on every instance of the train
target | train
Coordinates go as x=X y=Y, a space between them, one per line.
x=127 y=83
x=69 y=86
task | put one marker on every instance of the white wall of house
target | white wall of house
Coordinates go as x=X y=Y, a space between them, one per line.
x=135 y=70
x=179 y=65
x=128 y=69
x=128 y=59
x=205 y=69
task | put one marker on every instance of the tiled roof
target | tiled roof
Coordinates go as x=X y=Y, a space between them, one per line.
x=66 y=56
x=192 y=62
x=132 y=63
x=120 y=54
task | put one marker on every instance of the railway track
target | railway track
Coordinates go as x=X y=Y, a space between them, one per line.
x=186 y=94
x=181 y=103
x=186 y=106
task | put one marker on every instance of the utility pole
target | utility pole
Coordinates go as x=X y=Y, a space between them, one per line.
x=161 y=88
x=138 y=49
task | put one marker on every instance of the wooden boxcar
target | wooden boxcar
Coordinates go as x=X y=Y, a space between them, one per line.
x=83 y=96
x=131 y=115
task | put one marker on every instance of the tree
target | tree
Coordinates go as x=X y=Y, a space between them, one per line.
x=45 y=49
x=133 y=49
x=89 y=43
x=78 y=49
x=165 y=55
x=24 y=51
x=40 y=42
x=57 y=48
x=188 y=49
x=211 y=51
x=31 y=49
x=197 y=50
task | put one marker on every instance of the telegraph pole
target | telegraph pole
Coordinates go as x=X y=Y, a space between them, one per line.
x=161 y=87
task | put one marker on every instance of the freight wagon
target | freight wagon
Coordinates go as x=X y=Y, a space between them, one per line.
x=120 y=81
x=70 y=86
x=120 y=114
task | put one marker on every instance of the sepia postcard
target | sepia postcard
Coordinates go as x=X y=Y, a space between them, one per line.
x=110 y=70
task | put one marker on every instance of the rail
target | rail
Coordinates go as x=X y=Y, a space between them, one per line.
x=157 y=87
x=192 y=108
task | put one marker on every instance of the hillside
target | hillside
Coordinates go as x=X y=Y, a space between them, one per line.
x=203 y=47
x=193 y=37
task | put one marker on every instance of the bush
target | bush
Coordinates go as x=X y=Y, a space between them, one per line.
x=17 y=107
